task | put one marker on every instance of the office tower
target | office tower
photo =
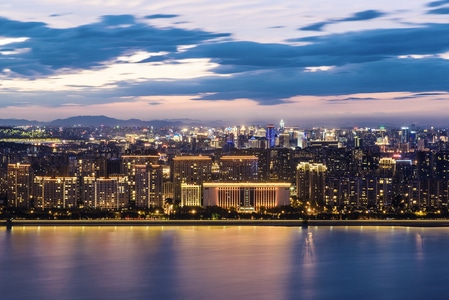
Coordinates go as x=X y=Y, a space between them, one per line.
x=246 y=196
x=310 y=180
x=284 y=140
x=20 y=179
x=281 y=126
x=55 y=192
x=405 y=134
x=241 y=168
x=271 y=135
x=190 y=170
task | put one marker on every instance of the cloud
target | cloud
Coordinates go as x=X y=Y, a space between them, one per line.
x=363 y=15
x=439 y=11
x=366 y=61
x=161 y=16
x=90 y=46
x=437 y=3
x=358 y=16
x=353 y=99
x=315 y=26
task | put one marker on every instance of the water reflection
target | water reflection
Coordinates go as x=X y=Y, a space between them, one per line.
x=223 y=263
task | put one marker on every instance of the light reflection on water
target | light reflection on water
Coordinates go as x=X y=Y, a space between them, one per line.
x=223 y=263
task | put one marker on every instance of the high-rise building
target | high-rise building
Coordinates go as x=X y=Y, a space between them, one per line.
x=271 y=135
x=20 y=179
x=241 y=168
x=190 y=170
x=282 y=165
x=134 y=168
x=57 y=192
x=310 y=180
x=155 y=186
x=105 y=193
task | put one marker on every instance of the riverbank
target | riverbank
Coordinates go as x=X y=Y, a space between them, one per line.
x=285 y=223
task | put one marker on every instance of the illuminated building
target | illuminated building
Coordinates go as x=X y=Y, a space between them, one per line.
x=129 y=161
x=20 y=178
x=271 y=135
x=190 y=170
x=284 y=140
x=105 y=193
x=387 y=167
x=425 y=164
x=134 y=168
x=238 y=168
x=246 y=196
x=341 y=191
x=59 y=192
x=258 y=143
x=190 y=194
x=282 y=165
x=368 y=191
x=281 y=126
x=442 y=165
x=310 y=178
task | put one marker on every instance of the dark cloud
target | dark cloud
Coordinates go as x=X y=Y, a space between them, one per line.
x=439 y=11
x=273 y=86
x=161 y=16
x=315 y=26
x=437 y=3
x=91 y=45
x=364 y=61
x=349 y=99
x=363 y=15
x=329 y=50
x=358 y=16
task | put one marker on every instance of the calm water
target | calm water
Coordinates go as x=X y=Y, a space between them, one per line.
x=224 y=263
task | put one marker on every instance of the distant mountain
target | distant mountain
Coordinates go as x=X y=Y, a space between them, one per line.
x=110 y=122
x=87 y=121
x=20 y=122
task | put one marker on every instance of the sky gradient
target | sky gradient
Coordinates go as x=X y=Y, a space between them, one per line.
x=314 y=63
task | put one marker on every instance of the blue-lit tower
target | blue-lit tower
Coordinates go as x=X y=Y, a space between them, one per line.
x=271 y=135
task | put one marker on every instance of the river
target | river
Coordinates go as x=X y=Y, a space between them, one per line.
x=223 y=262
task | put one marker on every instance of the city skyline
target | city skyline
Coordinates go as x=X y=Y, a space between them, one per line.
x=304 y=63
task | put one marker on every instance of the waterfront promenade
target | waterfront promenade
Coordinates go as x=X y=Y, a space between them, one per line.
x=285 y=223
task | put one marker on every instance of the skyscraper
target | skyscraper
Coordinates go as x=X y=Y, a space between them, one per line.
x=20 y=178
x=271 y=135
x=190 y=170
x=241 y=168
x=311 y=182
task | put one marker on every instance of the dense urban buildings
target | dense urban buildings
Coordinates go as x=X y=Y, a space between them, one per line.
x=240 y=168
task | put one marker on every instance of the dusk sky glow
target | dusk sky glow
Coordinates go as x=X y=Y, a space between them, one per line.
x=318 y=62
